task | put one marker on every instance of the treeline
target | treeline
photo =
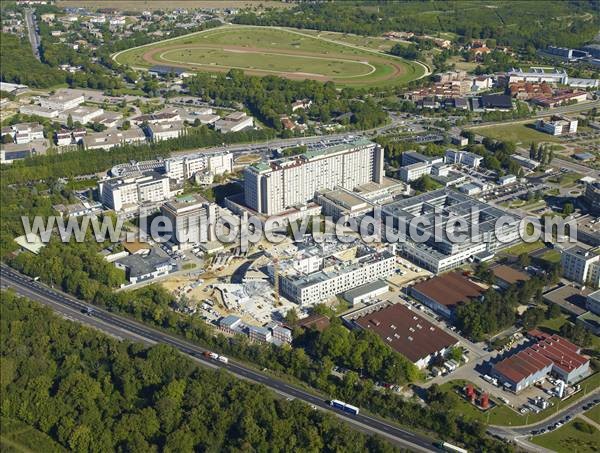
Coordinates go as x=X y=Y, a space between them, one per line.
x=269 y=97
x=497 y=309
x=516 y=24
x=19 y=65
x=84 y=162
x=153 y=305
x=90 y=392
x=360 y=351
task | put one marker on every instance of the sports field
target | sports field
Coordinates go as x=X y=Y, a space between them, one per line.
x=284 y=52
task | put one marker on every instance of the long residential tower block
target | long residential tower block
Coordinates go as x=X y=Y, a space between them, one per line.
x=273 y=187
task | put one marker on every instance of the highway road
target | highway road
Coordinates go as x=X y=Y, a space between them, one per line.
x=34 y=37
x=125 y=328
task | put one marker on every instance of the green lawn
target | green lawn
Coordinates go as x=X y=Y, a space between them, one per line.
x=18 y=437
x=552 y=256
x=503 y=415
x=524 y=247
x=285 y=52
x=594 y=413
x=572 y=437
x=567 y=179
x=523 y=133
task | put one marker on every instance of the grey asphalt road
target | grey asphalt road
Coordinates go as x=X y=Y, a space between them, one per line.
x=125 y=328
x=32 y=33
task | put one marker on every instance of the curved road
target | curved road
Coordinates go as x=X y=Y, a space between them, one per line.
x=125 y=328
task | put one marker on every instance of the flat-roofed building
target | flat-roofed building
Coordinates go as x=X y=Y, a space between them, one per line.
x=22 y=133
x=445 y=292
x=422 y=214
x=342 y=204
x=165 y=131
x=328 y=276
x=454 y=156
x=581 y=265
x=189 y=217
x=113 y=137
x=273 y=187
x=37 y=110
x=81 y=114
x=557 y=125
x=185 y=167
x=63 y=100
x=593 y=302
x=404 y=331
x=234 y=122
x=120 y=193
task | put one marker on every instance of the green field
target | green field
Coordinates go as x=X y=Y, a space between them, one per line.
x=289 y=53
x=502 y=415
x=515 y=132
x=569 y=438
x=18 y=437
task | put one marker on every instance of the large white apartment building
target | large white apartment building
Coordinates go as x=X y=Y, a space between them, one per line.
x=185 y=167
x=315 y=278
x=273 y=187
x=581 y=265
x=121 y=193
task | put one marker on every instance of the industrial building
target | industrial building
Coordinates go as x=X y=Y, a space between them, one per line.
x=550 y=354
x=273 y=187
x=437 y=251
x=404 y=331
x=445 y=292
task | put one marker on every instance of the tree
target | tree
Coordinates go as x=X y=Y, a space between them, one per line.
x=524 y=259
x=291 y=317
x=126 y=125
x=568 y=209
x=70 y=121
x=7 y=138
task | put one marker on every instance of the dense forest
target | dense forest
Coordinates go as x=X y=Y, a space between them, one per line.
x=22 y=67
x=510 y=23
x=90 y=392
x=269 y=97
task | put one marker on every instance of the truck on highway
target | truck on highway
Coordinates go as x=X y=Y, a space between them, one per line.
x=447 y=446
x=223 y=359
x=344 y=407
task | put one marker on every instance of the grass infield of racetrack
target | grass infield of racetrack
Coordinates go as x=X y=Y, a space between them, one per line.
x=283 y=52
